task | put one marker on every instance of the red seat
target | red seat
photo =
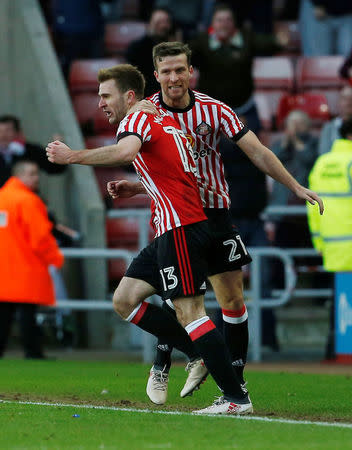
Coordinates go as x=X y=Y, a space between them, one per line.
x=273 y=76
x=124 y=232
x=119 y=35
x=319 y=72
x=100 y=141
x=315 y=105
x=273 y=73
x=105 y=174
x=85 y=106
x=83 y=73
x=264 y=110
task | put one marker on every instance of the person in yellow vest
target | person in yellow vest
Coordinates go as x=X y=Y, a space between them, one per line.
x=331 y=177
x=331 y=233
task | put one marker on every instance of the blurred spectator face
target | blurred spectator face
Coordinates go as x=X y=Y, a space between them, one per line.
x=345 y=103
x=223 y=24
x=174 y=74
x=7 y=133
x=160 y=24
x=297 y=124
x=29 y=176
x=112 y=101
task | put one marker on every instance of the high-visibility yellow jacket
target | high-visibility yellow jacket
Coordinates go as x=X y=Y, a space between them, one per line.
x=331 y=178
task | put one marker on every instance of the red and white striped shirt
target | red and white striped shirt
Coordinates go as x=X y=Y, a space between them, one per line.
x=166 y=168
x=203 y=121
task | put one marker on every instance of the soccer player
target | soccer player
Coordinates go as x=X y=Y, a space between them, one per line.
x=203 y=119
x=174 y=264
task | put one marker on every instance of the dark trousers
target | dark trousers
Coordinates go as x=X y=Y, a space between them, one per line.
x=30 y=332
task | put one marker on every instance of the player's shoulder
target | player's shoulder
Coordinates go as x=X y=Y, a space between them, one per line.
x=205 y=99
x=132 y=119
x=155 y=98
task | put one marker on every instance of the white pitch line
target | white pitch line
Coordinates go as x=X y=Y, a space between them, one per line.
x=182 y=413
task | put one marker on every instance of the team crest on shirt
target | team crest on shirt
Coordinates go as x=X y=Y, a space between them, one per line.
x=203 y=129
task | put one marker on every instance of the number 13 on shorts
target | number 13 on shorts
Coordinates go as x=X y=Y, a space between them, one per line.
x=170 y=280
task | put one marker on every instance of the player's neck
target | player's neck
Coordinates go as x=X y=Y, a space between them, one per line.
x=180 y=103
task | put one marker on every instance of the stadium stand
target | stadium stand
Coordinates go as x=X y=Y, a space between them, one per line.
x=290 y=29
x=83 y=73
x=273 y=76
x=119 y=35
x=315 y=105
x=320 y=74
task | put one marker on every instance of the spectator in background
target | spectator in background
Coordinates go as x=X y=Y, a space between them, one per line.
x=139 y=53
x=332 y=232
x=187 y=15
x=331 y=130
x=297 y=150
x=27 y=248
x=13 y=148
x=78 y=29
x=224 y=57
x=326 y=27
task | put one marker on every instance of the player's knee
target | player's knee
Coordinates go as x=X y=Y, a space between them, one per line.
x=123 y=304
x=232 y=303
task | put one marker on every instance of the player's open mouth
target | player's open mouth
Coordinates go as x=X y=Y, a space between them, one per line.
x=108 y=113
x=175 y=87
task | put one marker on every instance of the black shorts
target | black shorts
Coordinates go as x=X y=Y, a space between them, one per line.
x=227 y=251
x=175 y=263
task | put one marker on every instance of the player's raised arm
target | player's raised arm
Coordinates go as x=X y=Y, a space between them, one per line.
x=122 y=153
x=268 y=163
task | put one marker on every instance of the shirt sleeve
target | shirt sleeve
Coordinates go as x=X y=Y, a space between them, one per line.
x=136 y=124
x=230 y=124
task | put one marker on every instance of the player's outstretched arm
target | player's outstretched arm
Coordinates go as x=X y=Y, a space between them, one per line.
x=125 y=188
x=268 y=163
x=122 y=153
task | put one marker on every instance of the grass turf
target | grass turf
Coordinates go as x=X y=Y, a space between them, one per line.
x=300 y=396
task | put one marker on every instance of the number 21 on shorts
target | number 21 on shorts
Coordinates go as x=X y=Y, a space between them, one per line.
x=233 y=243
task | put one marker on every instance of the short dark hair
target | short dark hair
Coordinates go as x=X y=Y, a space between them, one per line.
x=346 y=129
x=20 y=165
x=164 y=49
x=126 y=76
x=11 y=119
x=163 y=9
x=223 y=7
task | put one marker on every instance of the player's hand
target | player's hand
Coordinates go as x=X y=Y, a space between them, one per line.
x=145 y=106
x=311 y=197
x=59 y=153
x=122 y=188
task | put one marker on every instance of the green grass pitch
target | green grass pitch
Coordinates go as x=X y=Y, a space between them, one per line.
x=277 y=395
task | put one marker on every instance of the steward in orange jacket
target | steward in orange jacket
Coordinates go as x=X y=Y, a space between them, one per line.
x=27 y=246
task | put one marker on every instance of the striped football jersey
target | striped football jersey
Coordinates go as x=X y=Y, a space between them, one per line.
x=166 y=168
x=203 y=121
